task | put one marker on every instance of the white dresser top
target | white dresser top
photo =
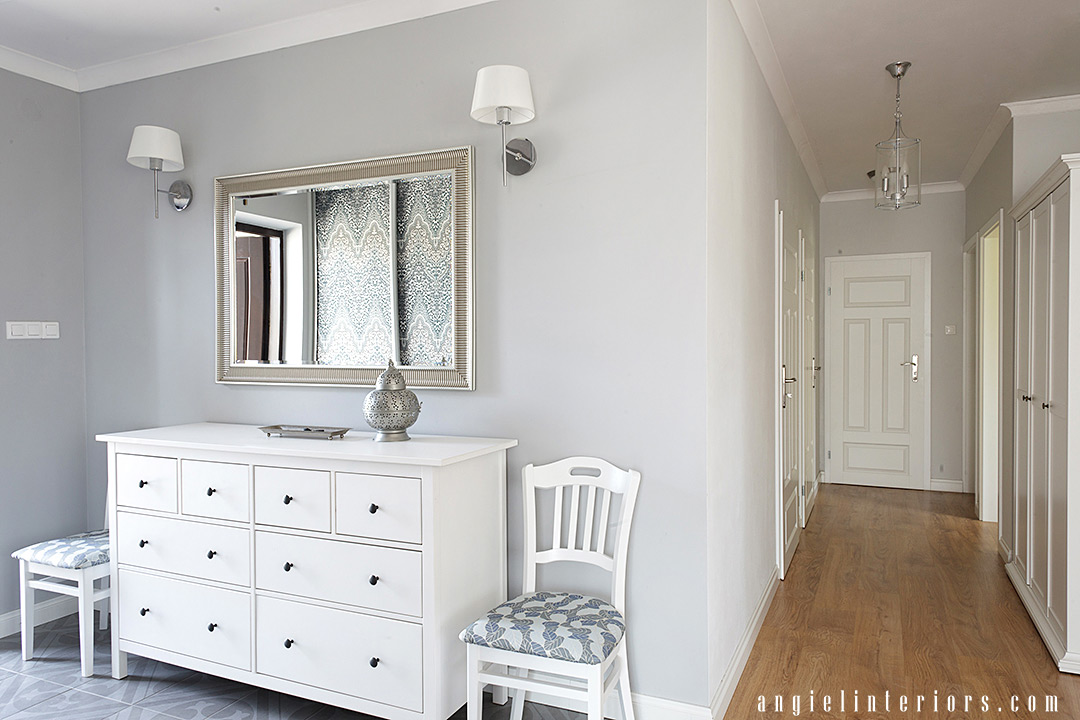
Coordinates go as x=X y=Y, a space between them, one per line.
x=435 y=450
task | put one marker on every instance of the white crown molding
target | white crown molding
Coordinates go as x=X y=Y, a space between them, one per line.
x=38 y=69
x=986 y=144
x=1044 y=106
x=753 y=25
x=868 y=194
x=275 y=36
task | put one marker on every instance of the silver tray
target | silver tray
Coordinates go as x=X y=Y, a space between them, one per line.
x=305 y=431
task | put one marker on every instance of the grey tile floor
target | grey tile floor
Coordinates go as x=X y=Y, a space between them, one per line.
x=51 y=687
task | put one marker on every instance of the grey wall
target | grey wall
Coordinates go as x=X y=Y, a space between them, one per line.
x=42 y=448
x=590 y=278
x=751 y=163
x=855 y=227
x=1039 y=140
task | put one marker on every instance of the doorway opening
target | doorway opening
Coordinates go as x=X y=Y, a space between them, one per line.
x=982 y=367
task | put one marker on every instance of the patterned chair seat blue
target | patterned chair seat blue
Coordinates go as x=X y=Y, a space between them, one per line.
x=75 y=552
x=567 y=626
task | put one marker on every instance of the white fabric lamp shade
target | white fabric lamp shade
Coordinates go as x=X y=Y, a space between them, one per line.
x=503 y=86
x=151 y=141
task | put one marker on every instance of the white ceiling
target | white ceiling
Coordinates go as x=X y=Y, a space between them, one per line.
x=968 y=57
x=87 y=44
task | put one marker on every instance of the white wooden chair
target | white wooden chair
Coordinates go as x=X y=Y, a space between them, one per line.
x=568 y=637
x=69 y=566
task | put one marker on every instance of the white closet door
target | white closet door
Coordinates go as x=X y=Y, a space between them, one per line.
x=1040 y=342
x=1022 y=425
x=1057 y=399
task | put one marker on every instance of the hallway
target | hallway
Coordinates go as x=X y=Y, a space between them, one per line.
x=899 y=591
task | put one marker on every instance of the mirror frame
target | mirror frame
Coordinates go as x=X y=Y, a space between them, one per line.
x=458 y=161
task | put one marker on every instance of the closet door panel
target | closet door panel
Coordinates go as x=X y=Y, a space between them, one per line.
x=1039 y=449
x=1057 y=398
x=1021 y=426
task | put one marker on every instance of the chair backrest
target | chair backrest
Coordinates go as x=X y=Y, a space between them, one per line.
x=583 y=524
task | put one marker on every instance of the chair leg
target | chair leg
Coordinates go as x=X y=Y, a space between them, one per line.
x=86 y=626
x=26 y=613
x=474 y=696
x=518 y=707
x=624 y=688
x=103 y=608
x=596 y=693
x=500 y=694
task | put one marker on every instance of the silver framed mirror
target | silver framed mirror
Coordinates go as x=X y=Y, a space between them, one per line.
x=326 y=272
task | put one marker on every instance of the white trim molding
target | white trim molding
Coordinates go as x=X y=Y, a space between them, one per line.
x=646 y=707
x=44 y=611
x=1043 y=106
x=726 y=689
x=947 y=485
x=300 y=30
x=868 y=193
x=761 y=44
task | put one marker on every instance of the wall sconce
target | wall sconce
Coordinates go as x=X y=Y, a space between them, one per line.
x=158 y=149
x=503 y=96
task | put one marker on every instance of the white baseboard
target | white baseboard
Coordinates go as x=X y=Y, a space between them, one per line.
x=44 y=611
x=939 y=485
x=726 y=690
x=1054 y=644
x=1004 y=552
x=646 y=707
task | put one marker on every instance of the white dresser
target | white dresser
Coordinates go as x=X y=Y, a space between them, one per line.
x=337 y=570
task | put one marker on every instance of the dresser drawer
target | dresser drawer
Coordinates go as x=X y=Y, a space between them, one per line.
x=146 y=482
x=376 y=506
x=336 y=650
x=292 y=498
x=340 y=572
x=214 y=490
x=185 y=547
x=204 y=622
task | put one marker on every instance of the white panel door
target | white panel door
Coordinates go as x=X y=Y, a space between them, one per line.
x=787 y=377
x=1022 y=413
x=878 y=370
x=1057 y=400
x=1038 y=485
x=809 y=384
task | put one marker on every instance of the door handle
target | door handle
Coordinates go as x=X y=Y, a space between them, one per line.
x=914 y=367
x=784 y=394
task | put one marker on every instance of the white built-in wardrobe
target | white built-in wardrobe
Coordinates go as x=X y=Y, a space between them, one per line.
x=1044 y=547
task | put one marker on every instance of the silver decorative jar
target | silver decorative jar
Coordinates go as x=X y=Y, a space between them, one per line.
x=390 y=408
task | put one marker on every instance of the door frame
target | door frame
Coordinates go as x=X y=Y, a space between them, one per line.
x=827 y=391
x=975 y=416
x=778 y=383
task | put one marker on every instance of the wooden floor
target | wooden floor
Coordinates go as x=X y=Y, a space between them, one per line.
x=899 y=591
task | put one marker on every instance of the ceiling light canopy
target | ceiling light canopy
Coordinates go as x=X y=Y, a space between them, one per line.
x=899 y=162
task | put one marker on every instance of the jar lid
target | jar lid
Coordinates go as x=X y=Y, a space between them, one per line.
x=390 y=379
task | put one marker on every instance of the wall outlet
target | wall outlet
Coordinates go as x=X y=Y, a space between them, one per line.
x=950 y=329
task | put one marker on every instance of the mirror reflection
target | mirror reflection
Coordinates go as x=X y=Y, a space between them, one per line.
x=346 y=276
x=325 y=273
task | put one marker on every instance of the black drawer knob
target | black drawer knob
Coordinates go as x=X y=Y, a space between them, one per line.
x=288 y=566
x=288 y=643
x=287 y=499
x=373 y=508
x=374 y=579
x=144 y=543
x=373 y=662
x=210 y=491
x=143 y=483
x=211 y=627
x=144 y=611
x=210 y=555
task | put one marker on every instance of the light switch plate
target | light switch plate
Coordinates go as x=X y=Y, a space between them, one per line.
x=33 y=330
x=16 y=331
x=50 y=330
x=950 y=329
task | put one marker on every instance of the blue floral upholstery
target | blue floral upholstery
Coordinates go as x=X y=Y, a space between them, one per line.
x=566 y=626
x=75 y=552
